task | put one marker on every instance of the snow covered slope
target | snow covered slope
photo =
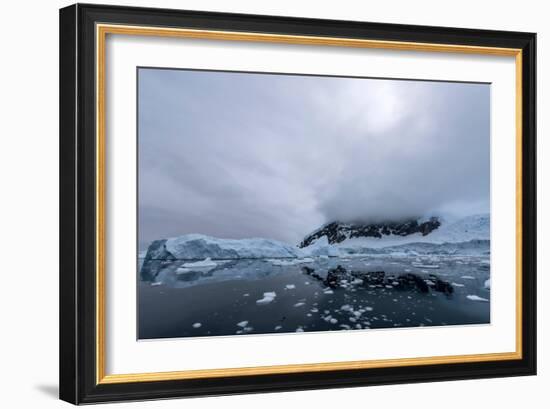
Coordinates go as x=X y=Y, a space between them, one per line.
x=476 y=227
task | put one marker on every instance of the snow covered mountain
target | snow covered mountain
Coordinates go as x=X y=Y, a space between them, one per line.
x=434 y=230
x=338 y=232
x=432 y=236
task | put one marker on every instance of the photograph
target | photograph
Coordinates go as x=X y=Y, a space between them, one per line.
x=259 y=201
x=275 y=203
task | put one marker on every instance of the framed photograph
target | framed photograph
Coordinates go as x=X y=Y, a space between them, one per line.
x=257 y=203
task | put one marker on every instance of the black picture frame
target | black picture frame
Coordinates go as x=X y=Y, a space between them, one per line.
x=78 y=237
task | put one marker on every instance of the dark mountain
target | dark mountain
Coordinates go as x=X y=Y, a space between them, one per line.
x=337 y=232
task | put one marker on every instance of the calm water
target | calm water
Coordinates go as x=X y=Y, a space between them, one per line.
x=258 y=297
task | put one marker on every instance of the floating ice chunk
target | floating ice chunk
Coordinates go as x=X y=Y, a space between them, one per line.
x=346 y=307
x=242 y=324
x=333 y=321
x=290 y=286
x=278 y=327
x=468 y=278
x=420 y=265
x=328 y=291
x=457 y=285
x=429 y=282
x=487 y=284
x=268 y=297
x=299 y=304
x=246 y=295
x=197 y=325
x=207 y=262
x=156 y=283
x=182 y=270
x=323 y=256
x=299 y=329
x=368 y=308
x=476 y=298
x=283 y=263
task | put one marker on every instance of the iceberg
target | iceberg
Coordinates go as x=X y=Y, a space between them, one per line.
x=193 y=247
x=199 y=246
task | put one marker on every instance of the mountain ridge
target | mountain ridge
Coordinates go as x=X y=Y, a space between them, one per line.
x=431 y=230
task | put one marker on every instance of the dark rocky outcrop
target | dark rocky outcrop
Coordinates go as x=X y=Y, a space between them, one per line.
x=340 y=277
x=337 y=232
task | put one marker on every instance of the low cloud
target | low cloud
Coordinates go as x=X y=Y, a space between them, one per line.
x=250 y=155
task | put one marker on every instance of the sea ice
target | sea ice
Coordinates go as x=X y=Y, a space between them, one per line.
x=420 y=265
x=283 y=263
x=476 y=298
x=268 y=297
x=207 y=262
x=197 y=325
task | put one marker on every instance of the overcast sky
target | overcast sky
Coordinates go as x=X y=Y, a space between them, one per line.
x=240 y=155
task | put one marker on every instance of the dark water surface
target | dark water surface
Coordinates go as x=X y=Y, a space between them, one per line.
x=366 y=292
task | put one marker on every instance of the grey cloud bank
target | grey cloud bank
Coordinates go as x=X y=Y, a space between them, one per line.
x=237 y=155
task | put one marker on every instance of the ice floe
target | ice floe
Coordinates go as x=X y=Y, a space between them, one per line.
x=207 y=262
x=476 y=298
x=267 y=298
x=291 y=262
